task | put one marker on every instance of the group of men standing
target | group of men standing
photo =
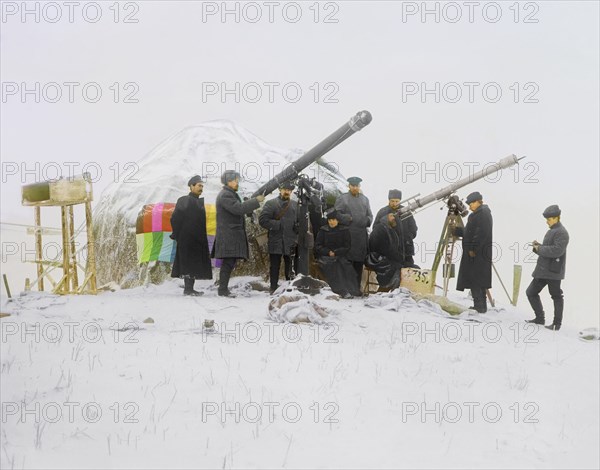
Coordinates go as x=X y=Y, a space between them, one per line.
x=343 y=245
x=475 y=271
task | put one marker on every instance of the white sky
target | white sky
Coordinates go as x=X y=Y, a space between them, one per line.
x=368 y=54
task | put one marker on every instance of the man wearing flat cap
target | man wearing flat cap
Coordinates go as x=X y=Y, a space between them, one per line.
x=192 y=259
x=354 y=211
x=475 y=270
x=231 y=241
x=406 y=228
x=279 y=217
x=549 y=269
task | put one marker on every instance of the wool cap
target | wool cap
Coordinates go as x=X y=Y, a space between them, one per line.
x=287 y=185
x=395 y=194
x=229 y=175
x=475 y=196
x=552 y=211
x=195 y=180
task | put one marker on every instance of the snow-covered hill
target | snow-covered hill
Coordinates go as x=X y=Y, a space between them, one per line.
x=207 y=149
x=161 y=176
x=87 y=384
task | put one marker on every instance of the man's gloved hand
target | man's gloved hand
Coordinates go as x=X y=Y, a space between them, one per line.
x=260 y=198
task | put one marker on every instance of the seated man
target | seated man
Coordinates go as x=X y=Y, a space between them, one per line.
x=386 y=256
x=406 y=229
x=331 y=248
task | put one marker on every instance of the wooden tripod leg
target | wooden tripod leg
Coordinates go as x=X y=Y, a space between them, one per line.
x=38 y=246
x=489 y=296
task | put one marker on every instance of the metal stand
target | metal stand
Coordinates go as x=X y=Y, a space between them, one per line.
x=445 y=249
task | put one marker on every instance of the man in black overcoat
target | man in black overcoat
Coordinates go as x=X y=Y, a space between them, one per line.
x=475 y=270
x=192 y=259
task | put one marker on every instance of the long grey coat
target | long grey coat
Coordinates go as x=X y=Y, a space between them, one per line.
x=231 y=240
x=355 y=212
x=552 y=254
x=282 y=236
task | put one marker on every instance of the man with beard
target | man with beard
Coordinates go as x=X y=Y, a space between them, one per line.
x=354 y=211
x=192 y=260
x=279 y=217
x=475 y=270
x=231 y=241
x=406 y=228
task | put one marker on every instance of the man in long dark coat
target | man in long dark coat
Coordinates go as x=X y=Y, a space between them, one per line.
x=192 y=259
x=475 y=271
x=406 y=229
x=386 y=247
x=231 y=242
x=354 y=211
x=550 y=268
x=279 y=217
x=332 y=246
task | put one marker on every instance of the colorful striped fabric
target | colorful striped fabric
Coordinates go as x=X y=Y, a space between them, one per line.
x=153 y=228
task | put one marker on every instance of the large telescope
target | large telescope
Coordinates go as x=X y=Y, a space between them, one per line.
x=291 y=172
x=355 y=124
x=506 y=162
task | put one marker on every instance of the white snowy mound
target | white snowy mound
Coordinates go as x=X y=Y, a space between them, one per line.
x=208 y=150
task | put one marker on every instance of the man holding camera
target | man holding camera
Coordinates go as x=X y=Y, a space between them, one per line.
x=231 y=241
x=549 y=269
x=279 y=217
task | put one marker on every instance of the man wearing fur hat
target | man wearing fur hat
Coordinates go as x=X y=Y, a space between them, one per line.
x=406 y=229
x=550 y=268
x=353 y=210
x=192 y=260
x=231 y=242
x=475 y=270
x=279 y=217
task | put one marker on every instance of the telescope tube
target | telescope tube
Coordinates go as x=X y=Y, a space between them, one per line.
x=506 y=162
x=355 y=124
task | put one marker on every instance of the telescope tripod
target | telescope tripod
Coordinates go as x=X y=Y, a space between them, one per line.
x=445 y=249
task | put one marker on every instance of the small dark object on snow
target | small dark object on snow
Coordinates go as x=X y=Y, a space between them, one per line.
x=308 y=285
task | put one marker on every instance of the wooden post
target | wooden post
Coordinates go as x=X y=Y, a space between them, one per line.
x=6 y=286
x=38 y=246
x=74 y=279
x=91 y=248
x=65 y=246
x=517 y=272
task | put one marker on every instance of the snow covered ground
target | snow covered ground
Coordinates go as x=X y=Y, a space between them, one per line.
x=86 y=383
